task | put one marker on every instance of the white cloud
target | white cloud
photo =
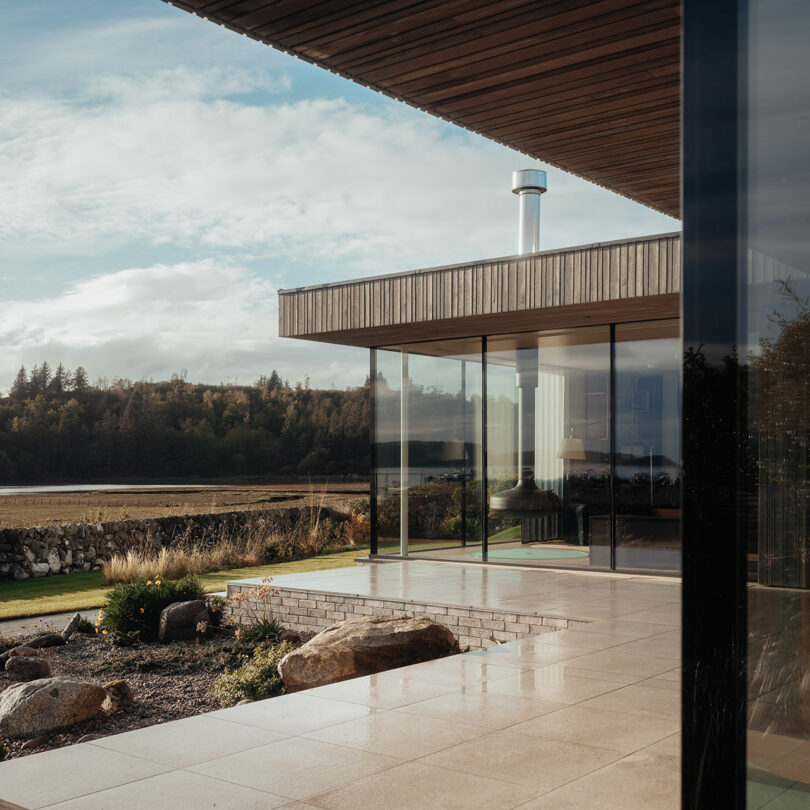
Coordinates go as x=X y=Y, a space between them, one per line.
x=175 y=158
x=232 y=186
x=217 y=320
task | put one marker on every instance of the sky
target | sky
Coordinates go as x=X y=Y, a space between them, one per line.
x=161 y=178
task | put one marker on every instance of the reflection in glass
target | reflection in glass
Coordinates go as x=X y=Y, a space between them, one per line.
x=570 y=453
x=648 y=445
x=776 y=292
x=429 y=446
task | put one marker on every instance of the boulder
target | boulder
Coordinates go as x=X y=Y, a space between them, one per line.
x=23 y=668
x=180 y=620
x=29 y=652
x=54 y=563
x=17 y=572
x=119 y=695
x=362 y=647
x=71 y=626
x=39 y=707
x=47 y=640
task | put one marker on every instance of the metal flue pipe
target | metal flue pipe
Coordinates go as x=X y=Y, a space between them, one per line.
x=526 y=499
x=529 y=184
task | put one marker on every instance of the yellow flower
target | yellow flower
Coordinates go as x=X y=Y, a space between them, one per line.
x=157 y=582
x=103 y=632
x=97 y=629
x=148 y=581
x=141 y=610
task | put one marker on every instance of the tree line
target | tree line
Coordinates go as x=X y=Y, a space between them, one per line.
x=56 y=425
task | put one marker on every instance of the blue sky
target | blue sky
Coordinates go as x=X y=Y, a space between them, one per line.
x=162 y=177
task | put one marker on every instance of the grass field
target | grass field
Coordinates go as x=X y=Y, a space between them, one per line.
x=33 y=597
x=91 y=507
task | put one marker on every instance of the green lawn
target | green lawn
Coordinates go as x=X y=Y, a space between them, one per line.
x=64 y=592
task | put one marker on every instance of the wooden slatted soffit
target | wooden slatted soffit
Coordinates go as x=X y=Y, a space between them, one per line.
x=590 y=87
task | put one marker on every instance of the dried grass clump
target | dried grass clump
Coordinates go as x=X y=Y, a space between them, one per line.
x=256 y=543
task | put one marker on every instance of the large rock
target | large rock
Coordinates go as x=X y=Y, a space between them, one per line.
x=119 y=696
x=30 y=652
x=362 y=647
x=39 y=707
x=181 y=620
x=70 y=628
x=47 y=640
x=23 y=668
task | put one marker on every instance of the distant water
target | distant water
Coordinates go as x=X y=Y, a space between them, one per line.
x=46 y=488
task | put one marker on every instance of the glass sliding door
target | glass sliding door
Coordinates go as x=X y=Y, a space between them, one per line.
x=429 y=447
x=548 y=447
x=647 y=380
x=386 y=489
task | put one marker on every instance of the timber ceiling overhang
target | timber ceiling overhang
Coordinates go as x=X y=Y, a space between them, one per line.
x=590 y=87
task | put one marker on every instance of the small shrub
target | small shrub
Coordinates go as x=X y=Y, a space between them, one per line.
x=261 y=631
x=85 y=626
x=256 y=679
x=8 y=642
x=3 y=751
x=133 y=609
x=216 y=610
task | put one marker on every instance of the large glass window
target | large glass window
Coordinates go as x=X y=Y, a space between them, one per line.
x=581 y=441
x=648 y=445
x=428 y=429
x=548 y=439
x=776 y=367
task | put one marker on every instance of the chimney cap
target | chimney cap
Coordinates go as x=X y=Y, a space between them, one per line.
x=529 y=180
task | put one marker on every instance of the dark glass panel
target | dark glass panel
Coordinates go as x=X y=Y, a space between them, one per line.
x=776 y=296
x=647 y=494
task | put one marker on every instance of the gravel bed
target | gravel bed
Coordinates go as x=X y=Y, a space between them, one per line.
x=169 y=681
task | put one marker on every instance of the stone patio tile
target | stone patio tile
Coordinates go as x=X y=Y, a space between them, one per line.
x=399 y=734
x=526 y=655
x=65 y=773
x=667 y=616
x=186 y=742
x=296 y=767
x=629 y=627
x=616 y=678
x=640 y=700
x=554 y=683
x=482 y=708
x=667 y=645
x=179 y=789
x=296 y=713
x=622 y=663
x=637 y=782
x=522 y=759
x=659 y=682
x=669 y=747
x=415 y=785
x=456 y=670
x=383 y=691
x=615 y=731
x=588 y=640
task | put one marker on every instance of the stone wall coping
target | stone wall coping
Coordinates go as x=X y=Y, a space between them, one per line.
x=288 y=590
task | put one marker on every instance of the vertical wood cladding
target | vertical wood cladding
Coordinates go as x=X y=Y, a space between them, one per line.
x=584 y=275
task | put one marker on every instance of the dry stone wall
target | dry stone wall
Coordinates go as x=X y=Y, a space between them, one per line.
x=40 y=551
